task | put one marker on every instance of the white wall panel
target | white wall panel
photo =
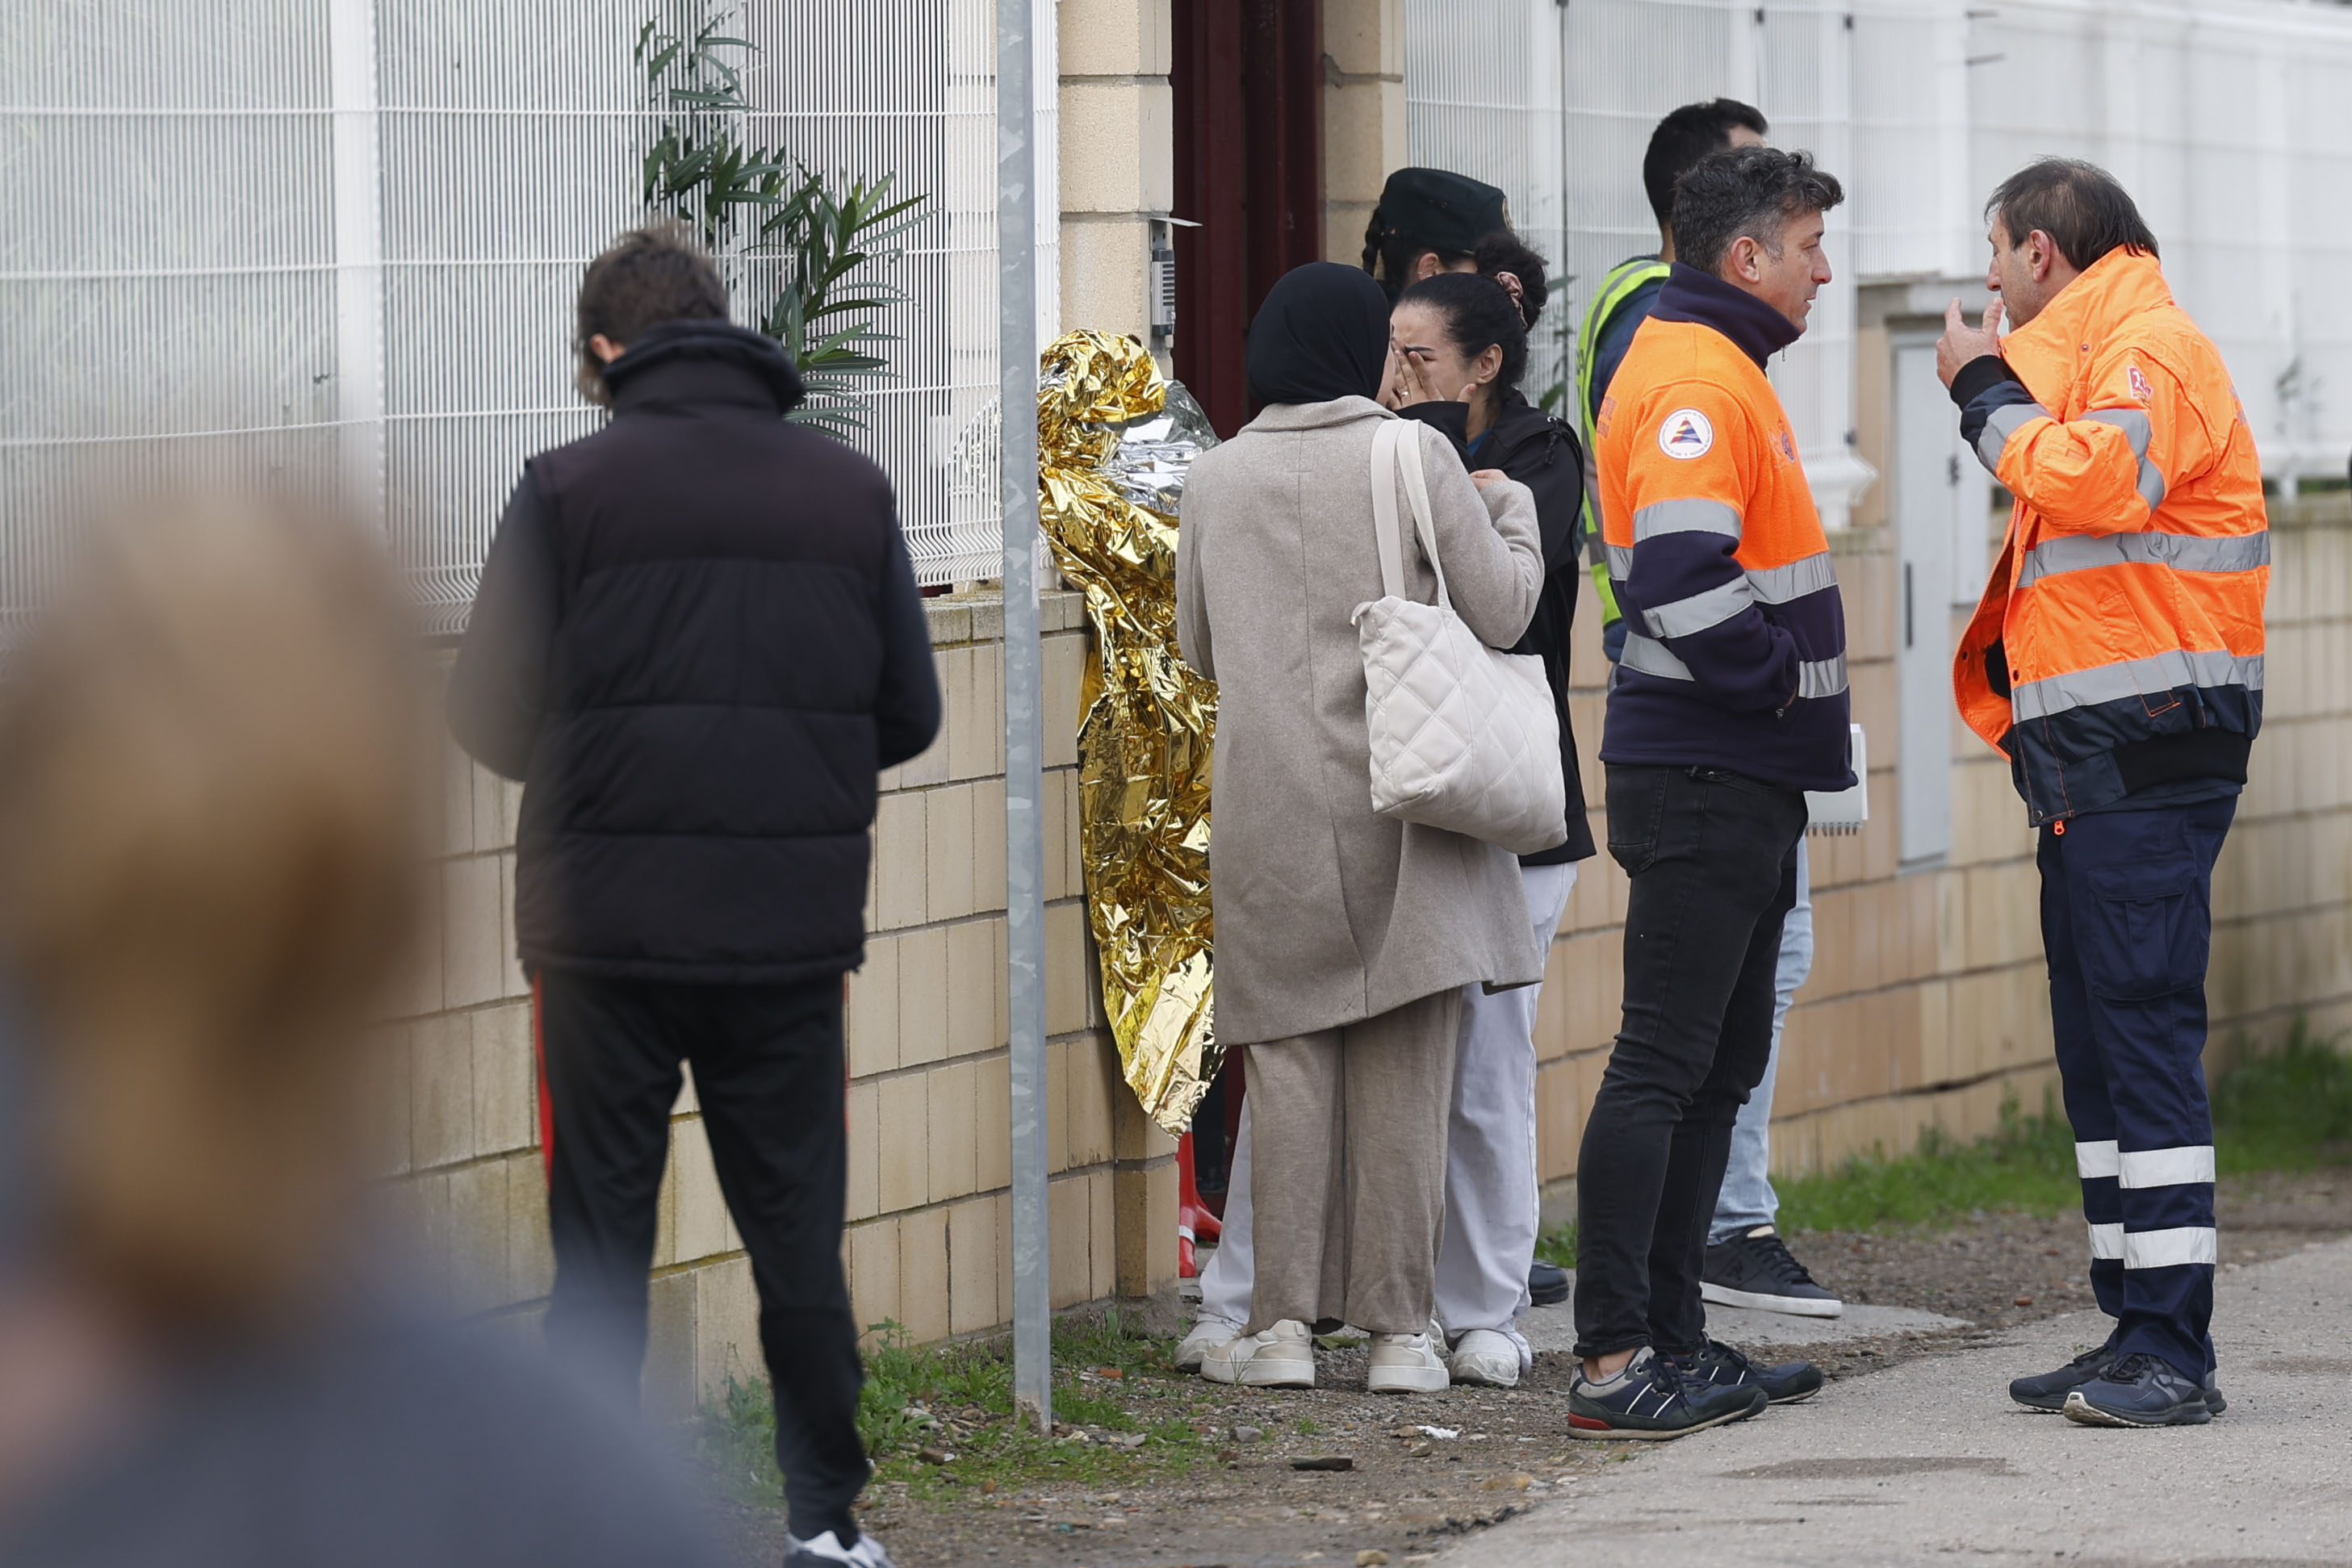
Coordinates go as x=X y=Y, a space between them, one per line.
x=339 y=238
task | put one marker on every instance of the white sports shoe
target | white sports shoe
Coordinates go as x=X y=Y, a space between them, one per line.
x=827 y=1552
x=1280 y=1357
x=1407 y=1363
x=1207 y=1334
x=1485 y=1356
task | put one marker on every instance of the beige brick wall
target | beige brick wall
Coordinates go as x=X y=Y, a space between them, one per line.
x=1118 y=160
x=1928 y=1002
x=930 y=1160
x=1364 y=116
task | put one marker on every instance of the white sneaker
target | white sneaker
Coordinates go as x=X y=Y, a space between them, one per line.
x=827 y=1552
x=1406 y=1364
x=1207 y=1334
x=1485 y=1356
x=1280 y=1357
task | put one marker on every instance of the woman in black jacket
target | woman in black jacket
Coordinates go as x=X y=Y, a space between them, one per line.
x=1460 y=342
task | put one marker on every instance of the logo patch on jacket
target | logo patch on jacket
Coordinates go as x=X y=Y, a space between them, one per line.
x=2139 y=387
x=1687 y=433
x=1786 y=443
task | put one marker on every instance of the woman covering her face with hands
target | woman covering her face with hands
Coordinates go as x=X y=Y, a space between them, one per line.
x=1458 y=346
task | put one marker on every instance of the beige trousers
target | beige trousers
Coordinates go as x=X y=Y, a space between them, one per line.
x=1347 y=1178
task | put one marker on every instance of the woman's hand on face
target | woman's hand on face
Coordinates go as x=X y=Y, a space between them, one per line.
x=1482 y=477
x=1409 y=382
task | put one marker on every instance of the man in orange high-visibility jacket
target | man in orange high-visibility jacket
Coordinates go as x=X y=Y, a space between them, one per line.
x=1729 y=703
x=2117 y=660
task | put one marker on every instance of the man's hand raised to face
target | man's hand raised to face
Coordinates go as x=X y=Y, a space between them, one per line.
x=1962 y=343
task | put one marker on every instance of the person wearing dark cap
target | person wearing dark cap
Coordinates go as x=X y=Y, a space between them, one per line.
x=1431 y=221
x=1344 y=936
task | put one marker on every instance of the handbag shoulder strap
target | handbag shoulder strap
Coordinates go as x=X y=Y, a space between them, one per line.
x=1384 y=506
x=1416 y=490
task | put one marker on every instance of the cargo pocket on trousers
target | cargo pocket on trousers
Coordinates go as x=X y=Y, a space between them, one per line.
x=2144 y=931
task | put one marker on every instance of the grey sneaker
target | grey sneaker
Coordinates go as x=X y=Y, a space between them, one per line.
x=1757 y=1270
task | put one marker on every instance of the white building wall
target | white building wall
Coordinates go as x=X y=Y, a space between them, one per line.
x=2231 y=121
x=339 y=239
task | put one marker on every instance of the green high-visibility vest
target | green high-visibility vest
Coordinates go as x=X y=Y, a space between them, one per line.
x=1615 y=288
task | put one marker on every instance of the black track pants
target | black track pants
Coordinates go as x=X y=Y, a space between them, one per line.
x=768 y=1071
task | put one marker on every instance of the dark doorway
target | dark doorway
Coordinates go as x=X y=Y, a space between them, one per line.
x=1248 y=83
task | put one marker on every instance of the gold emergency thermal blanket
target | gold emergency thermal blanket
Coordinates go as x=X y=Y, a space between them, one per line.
x=1108 y=437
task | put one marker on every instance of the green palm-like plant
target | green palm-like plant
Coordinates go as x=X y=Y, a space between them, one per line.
x=752 y=205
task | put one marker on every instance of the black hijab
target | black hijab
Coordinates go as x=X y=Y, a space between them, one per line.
x=1322 y=333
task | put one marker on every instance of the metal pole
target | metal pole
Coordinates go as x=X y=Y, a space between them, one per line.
x=1025 y=834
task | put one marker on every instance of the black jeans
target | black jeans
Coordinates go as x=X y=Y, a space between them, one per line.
x=1713 y=858
x=768 y=1072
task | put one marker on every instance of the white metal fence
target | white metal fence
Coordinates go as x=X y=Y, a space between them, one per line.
x=339 y=239
x=2227 y=119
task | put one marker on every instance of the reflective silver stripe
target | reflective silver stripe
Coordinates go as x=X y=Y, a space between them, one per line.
x=1821 y=677
x=1780 y=584
x=2106 y=1240
x=1688 y=617
x=2005 y=421
x=1686 y=517
x=2098 y=1159
x=2182 y=552
x=2171 y=1248
x=1620 y=562
x=1652 y=657
x=2189 y=1164
x=2133 y=677
x=2134 y=423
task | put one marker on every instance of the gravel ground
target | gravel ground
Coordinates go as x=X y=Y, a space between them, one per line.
x=1409 y=1496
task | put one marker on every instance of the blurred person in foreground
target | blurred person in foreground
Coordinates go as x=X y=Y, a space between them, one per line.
x=698 y=641
x=1729 y=703
x=213 y=760
x=2117 y=662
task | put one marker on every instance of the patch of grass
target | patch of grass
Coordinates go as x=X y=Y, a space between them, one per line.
x=1558 y=1245
x=2291 y=1111
x=2027 y=1167
x=957 y=1400
x=2288 y=1110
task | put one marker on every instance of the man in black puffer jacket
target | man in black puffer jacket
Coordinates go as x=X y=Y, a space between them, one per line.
x=697 y=642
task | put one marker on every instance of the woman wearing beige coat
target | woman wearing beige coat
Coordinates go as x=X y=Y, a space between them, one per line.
x=1343 y=937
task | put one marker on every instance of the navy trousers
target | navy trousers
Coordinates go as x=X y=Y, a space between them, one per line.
x=2128 y=923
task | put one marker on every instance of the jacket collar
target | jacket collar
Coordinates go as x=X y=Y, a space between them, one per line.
x=2050 y=350
x=1317 y=415
x=703 y=362
x=1759 y=330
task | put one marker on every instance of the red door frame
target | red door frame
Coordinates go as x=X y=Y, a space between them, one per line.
x=1248 y=85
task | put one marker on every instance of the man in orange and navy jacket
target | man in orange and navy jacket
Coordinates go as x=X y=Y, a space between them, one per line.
x=1729 y=702
x=2117 y=661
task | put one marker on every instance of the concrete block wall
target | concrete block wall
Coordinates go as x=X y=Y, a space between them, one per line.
x=929 y=1243
x=1929 y=1003
x=1117 y=157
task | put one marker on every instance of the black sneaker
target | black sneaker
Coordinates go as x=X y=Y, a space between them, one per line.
x=1547 y=1283
x=1720 y=1366
x=2214 y=1403
x=2048 y=1392
x=1757 y=1270
x=1650 y=1400
x=2140 y=1390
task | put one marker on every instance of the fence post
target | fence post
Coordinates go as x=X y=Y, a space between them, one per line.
x=1024 y=840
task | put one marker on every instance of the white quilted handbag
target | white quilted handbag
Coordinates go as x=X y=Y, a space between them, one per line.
x=1465 y=737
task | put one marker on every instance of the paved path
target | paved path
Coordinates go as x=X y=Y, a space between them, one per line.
x=1930 y=1463
x=1554 y=1328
